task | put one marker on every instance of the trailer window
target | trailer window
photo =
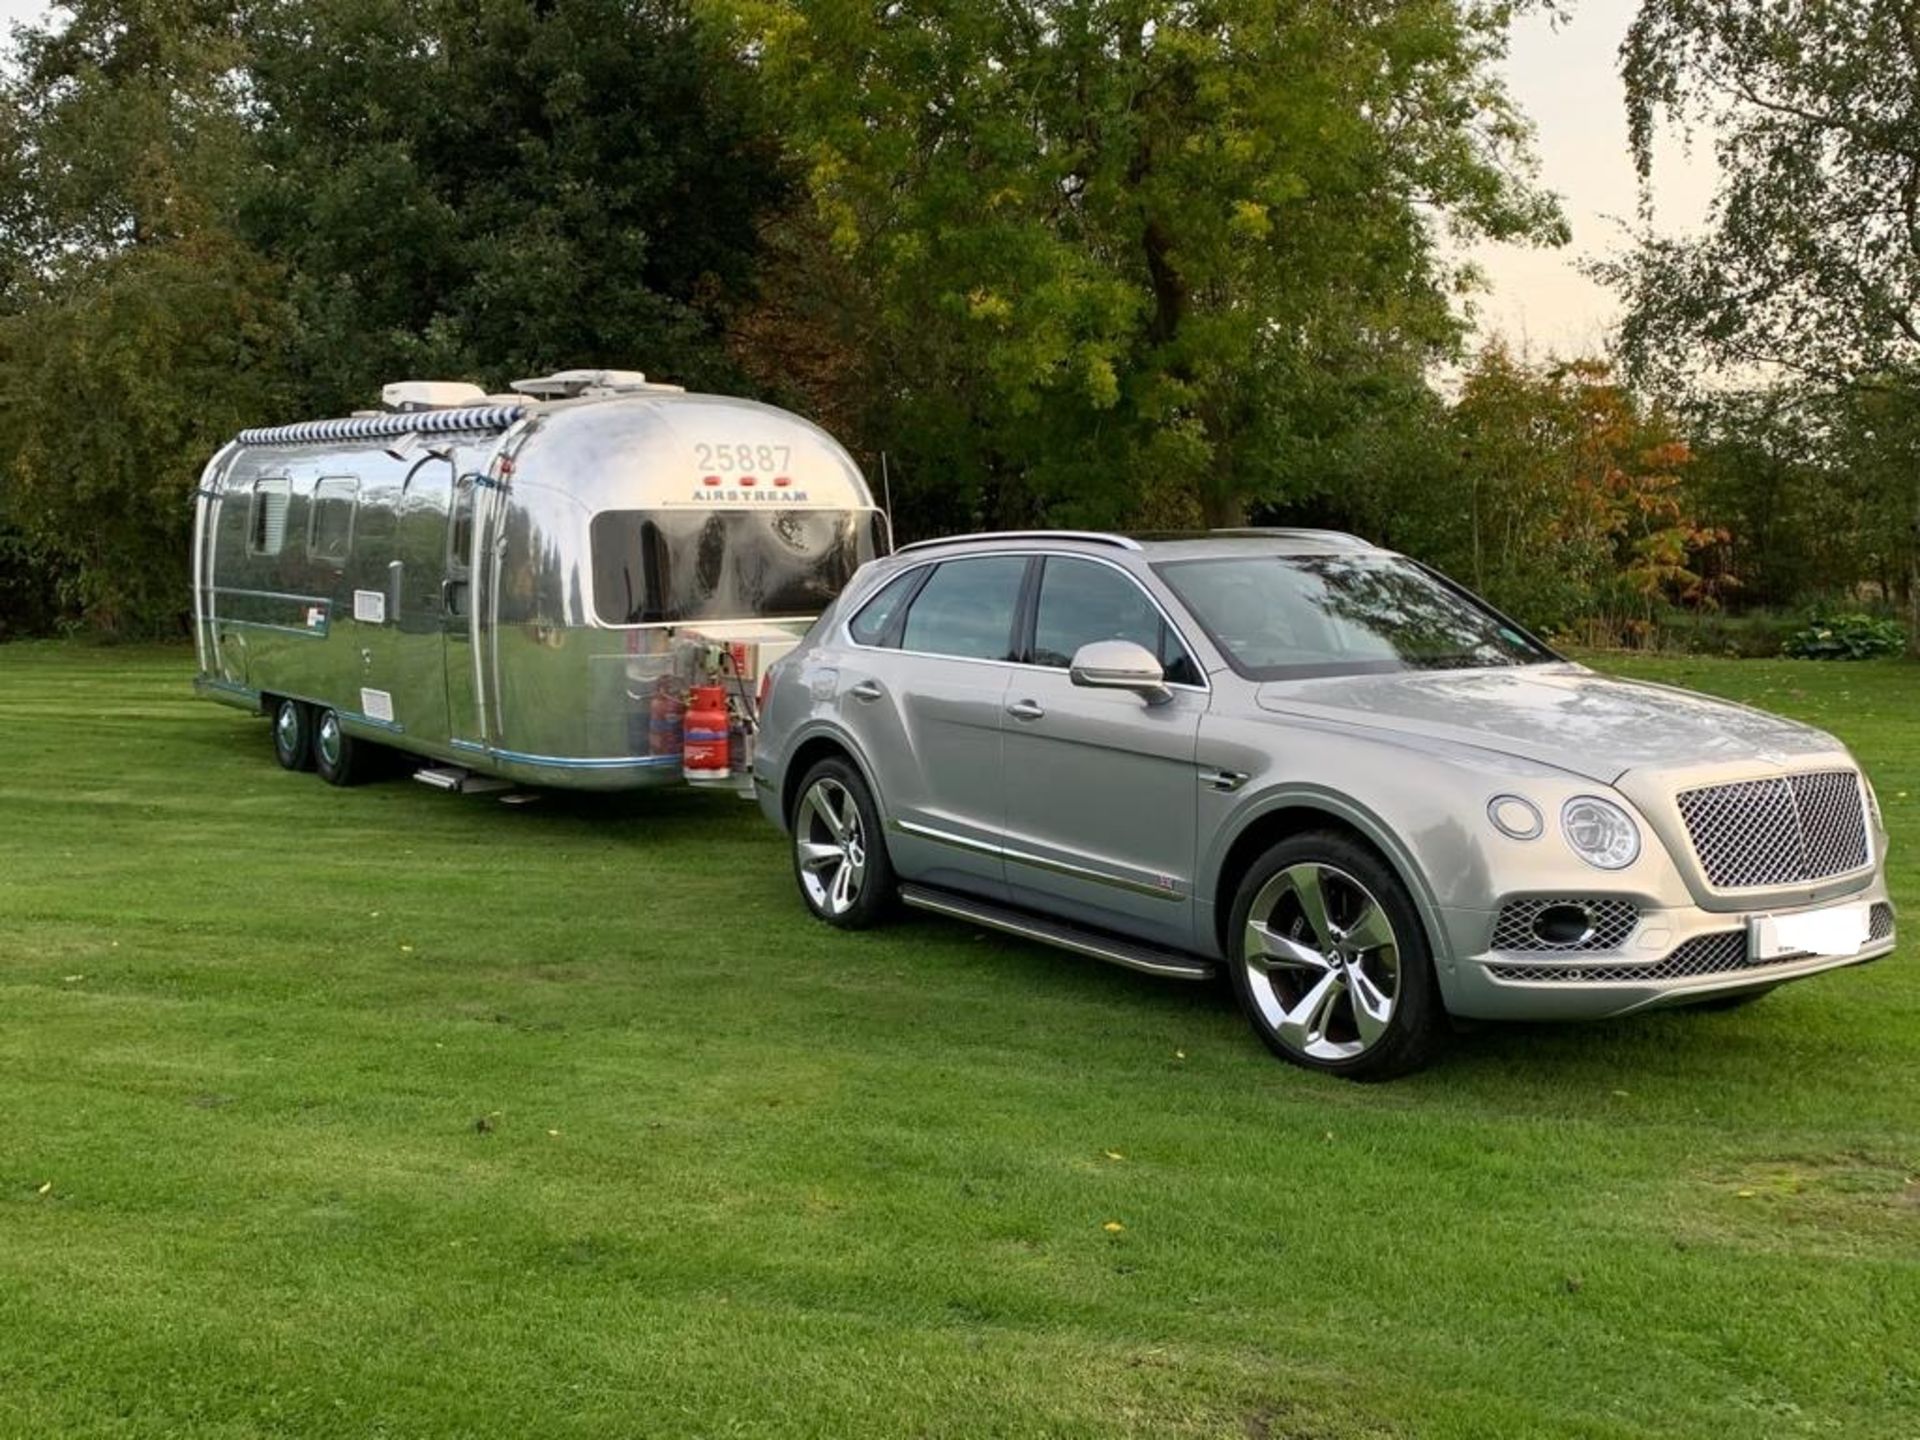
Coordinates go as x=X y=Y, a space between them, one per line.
x=267 y=519
x=664 y=566
x=330 y=526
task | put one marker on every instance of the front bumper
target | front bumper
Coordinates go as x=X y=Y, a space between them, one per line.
x=1672 y=957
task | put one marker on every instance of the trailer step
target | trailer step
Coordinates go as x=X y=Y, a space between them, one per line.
x=460 y=782
x=1131 y=953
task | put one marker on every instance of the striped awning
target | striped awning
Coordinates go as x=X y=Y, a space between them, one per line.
x=376 y=427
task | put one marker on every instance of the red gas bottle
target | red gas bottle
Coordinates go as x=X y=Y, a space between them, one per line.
x=704 y=756
x=666 y=728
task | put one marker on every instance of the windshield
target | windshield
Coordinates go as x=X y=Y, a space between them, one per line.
x=1279 y=617
x=670 y=566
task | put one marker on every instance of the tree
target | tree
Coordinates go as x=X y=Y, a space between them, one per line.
x=136 y=331
x=115 y=395
x=1569 y=502
x=490 y=188
x=1111 y=258
x=1811 y=263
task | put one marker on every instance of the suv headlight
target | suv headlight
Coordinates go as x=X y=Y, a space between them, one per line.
x=1600 y=832
x=1873 y=801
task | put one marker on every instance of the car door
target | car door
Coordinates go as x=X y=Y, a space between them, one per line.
x=1101 y=785
x=923 y=689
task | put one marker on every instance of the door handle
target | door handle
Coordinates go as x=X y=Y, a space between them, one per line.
x=1026 y=710
x=865 y=690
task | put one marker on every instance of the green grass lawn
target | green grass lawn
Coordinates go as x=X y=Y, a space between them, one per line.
x=384 y=1112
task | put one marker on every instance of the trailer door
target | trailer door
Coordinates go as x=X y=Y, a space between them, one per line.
x=420 y=550
x=461 y=598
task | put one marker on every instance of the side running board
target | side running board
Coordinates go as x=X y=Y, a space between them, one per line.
x=1130 y=953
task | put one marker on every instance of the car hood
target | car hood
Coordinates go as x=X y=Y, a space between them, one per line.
x=1560 y=715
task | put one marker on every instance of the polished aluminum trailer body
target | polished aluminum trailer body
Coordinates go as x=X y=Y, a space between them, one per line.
x=501 y=586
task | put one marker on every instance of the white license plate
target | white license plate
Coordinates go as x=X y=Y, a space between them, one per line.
x=1836 y=930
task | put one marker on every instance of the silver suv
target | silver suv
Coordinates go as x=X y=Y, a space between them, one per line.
x=1321 y=766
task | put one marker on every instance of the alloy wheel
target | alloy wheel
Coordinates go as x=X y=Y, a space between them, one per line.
x=831 y=845
x=1322 y=962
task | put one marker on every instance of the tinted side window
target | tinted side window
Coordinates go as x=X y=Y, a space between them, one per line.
x=1082 y=601
x=876 y=617
x=330 y=525
x=966 y=609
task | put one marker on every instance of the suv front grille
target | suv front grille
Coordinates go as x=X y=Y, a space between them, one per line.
x=1714 y=954
x=1782 y=831
x=1612 y=921
x=1880 y=924
x=1702 y=955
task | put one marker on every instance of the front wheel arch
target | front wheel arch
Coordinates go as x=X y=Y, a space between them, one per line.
x=1294 y=817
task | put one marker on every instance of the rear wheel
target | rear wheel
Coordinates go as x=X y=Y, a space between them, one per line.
x=1330 y=961
x=839 y=853
x=293 y=735
x=339 y=758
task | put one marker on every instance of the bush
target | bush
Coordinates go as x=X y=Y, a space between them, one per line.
x=1757 y=635
x=1845 y=637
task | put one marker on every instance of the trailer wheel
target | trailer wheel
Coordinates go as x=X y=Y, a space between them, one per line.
x=293 y=735
x=336 y=755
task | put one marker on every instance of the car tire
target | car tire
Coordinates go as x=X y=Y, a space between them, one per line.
x=839 y=850
x=293 y=734
x=337 y=756
x=1330 y=961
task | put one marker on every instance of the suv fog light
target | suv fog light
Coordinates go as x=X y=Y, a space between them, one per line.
x=1562 y=925
x=1600 y=832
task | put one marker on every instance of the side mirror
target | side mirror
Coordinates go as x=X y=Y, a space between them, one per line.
x=1120 y=665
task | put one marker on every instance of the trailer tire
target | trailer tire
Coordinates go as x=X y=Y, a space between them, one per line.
x=339 y=758
x=293 y=734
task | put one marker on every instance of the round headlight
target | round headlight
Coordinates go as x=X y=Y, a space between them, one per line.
x=1515 y=818
x=1600 y=832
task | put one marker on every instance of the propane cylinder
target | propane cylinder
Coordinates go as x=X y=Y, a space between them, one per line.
x=704 y=756
x=666 y=720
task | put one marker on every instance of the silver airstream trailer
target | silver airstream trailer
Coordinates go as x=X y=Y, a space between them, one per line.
x=516 y=586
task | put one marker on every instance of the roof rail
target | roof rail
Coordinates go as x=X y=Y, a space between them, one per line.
x=1291 y=532
x=1087 y=537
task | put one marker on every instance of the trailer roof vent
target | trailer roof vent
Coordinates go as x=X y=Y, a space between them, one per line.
x=575 y=384
x=407 y=395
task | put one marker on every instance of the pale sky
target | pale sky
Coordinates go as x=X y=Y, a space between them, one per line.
x=1567 y=81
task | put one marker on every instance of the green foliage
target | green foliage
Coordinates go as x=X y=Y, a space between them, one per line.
x=31 y=582
x=1753 y=635
x=117 y=391
x=1104 y=259
x=1553 y=490
x=1845 y=637
x=490 y=189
